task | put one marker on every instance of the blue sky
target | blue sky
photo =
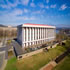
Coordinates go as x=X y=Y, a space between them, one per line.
x=51 y=12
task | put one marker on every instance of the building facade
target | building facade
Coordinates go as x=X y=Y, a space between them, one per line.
x=32 y=34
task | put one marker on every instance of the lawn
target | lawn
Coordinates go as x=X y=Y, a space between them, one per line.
x=36 y=61
x=10 y=54
x=11 y=65
x=64 y=64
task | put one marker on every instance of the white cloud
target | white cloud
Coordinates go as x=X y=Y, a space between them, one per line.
x=14 y=4
x=16 y=15
x=17 y=12
x=43 y=11
x=41 y=5
x=2 y=2
x=3 y=12
x=32 y=0
x=37 y=12
x=53 y=6
x=25 y=10
x=4 y=6
x=9 y=4
x=29 y=18
x=63 y=7
x=25 y=2
x=32 y=4
x=47 y=1
x=13 y=13
x=68 y=14
x=47 y=7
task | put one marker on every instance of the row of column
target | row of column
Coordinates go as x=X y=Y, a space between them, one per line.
x=30 y=35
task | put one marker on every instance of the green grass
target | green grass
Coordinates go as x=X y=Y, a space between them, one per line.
x=64 y=64
x=11 y=65
x=36 y=61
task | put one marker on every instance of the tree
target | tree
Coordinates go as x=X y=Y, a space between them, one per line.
x=68 y=43
x=61 y=36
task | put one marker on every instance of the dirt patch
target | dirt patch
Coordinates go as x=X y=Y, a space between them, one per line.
x=49 y=67
x=10 y=54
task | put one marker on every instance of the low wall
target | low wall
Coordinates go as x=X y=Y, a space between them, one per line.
x=59 y=58
x=34 y=52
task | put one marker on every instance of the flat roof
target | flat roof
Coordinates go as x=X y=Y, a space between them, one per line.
x=17 y=48
x=36 y=25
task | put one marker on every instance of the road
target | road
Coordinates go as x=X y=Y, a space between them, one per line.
x=6 y=51
x=1 y=58
x=3 y=55
x=3 y=52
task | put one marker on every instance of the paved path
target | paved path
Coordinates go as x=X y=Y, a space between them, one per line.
x=3 y=57
x=4 y=65
x=6 y=51
x=49 y=66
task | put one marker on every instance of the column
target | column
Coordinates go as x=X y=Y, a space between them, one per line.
x=47 y=32
x=44 y=34
x=37 y=34
x=50 y=33
x=54 y=33
x=26 y=36
x=33 y=35
x=40 y=33
x=30 y=35
x=23 y=35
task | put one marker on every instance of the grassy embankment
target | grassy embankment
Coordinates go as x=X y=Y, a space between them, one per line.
x=36 y=61
x=64 y=64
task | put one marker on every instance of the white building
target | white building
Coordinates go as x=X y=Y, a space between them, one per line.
x=32 y=34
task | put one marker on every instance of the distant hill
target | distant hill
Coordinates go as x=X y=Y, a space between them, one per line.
x=60 y=28
x=2 y=25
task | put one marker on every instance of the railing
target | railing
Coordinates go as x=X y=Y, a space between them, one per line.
x=58 y=59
